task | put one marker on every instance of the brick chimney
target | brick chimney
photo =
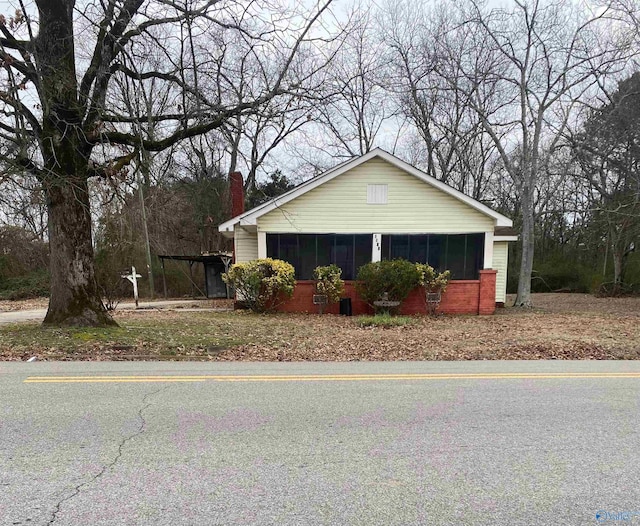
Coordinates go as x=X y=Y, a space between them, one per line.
x=236 y=187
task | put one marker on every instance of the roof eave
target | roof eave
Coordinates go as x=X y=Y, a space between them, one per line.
x=503 y=221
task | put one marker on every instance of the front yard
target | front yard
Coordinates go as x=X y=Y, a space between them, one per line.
x=563 y=326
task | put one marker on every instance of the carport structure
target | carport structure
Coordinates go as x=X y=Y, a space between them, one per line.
x=215 y=264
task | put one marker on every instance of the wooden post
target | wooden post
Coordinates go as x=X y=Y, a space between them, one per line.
x=193 y=290
x=226 y=261
x=164 y=279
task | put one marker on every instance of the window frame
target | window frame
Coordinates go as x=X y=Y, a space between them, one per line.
x=472 y=253
x=357 y=253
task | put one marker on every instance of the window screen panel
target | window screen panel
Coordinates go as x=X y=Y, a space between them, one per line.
x=437 y=245
x=324 y=243
x=385 y=249
x=475 y=255
x=363 y=247
x=342 y=255
x=307 y=256
x=272 y=246
x=288 y=249
x=418 y=248
x=456 y=256
x=399 y=247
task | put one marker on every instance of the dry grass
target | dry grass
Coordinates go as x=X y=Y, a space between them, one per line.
x=13 y=306
x=562 y=326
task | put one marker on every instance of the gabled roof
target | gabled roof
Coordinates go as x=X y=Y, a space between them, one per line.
x=249 y=218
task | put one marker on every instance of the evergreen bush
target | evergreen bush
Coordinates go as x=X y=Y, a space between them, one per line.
x=262 y=284
x=329 y=283
x=391 y=279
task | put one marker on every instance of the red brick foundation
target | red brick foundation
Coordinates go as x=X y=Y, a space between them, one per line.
x=302 y=299
x=461 y=297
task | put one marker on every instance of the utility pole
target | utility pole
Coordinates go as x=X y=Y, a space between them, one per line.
x=144 y=166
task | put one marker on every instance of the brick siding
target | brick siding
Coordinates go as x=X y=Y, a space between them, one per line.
x=461 y=297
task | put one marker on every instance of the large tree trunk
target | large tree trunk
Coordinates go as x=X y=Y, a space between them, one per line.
x=618 y=266
x=523 y=299
x=75 y=299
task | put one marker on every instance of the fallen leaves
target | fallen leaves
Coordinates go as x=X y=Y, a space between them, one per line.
x=563 y=326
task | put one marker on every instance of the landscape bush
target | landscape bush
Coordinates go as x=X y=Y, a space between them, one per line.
x=392 y=279
x=33 y=285
x=329 y=283
x=562 y=274
x=432 y=280
x=262 y=284
x=23 y=264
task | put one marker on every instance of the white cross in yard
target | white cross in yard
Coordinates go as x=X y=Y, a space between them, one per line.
x=133 y=278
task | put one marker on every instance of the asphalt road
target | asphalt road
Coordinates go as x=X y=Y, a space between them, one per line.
x=528 y=443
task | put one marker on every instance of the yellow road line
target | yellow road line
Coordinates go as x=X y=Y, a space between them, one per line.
x=115 y=379
x=322 y=377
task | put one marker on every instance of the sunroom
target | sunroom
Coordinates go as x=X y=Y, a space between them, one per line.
x=372 y=208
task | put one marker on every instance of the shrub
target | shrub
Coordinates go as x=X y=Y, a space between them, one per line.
x=431 y=280
x=561 y=273
x=394 y=279
x=33 y=285
x=262 y=284
x=22 y=253
x=329 y=283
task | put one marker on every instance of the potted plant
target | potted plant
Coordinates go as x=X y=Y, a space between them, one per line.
x=329 y=286
x=434 y=284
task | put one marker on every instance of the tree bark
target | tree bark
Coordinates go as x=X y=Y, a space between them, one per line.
x=75 y=299
x=618 y=266
x=523 y=299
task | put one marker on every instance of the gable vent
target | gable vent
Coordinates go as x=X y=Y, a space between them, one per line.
x=377 y=194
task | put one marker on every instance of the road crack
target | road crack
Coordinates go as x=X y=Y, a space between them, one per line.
x=141 y=429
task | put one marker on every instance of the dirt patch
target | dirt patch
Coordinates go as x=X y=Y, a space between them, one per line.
x=186 y=303
x=583 y=303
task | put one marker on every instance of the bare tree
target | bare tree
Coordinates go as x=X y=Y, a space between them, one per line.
x=22 y=204
x=606 y=149
x=453 y=145
x=56 y=108
x=355 y=108
x=536 y=61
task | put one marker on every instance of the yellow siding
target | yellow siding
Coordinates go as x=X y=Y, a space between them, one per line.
x=246 y=245
x=340 y=206
x=500 y=259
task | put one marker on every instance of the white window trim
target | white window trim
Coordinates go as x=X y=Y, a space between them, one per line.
x=488 y=250
x=376 y=251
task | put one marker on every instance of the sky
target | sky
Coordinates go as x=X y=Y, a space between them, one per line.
x=285 y=160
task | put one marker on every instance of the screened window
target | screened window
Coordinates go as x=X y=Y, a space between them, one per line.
x=307 y=251
x=462 y=254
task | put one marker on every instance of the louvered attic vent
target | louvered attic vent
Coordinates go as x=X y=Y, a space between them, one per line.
x=377 y=194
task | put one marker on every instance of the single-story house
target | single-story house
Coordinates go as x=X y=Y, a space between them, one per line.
x=371 y=208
